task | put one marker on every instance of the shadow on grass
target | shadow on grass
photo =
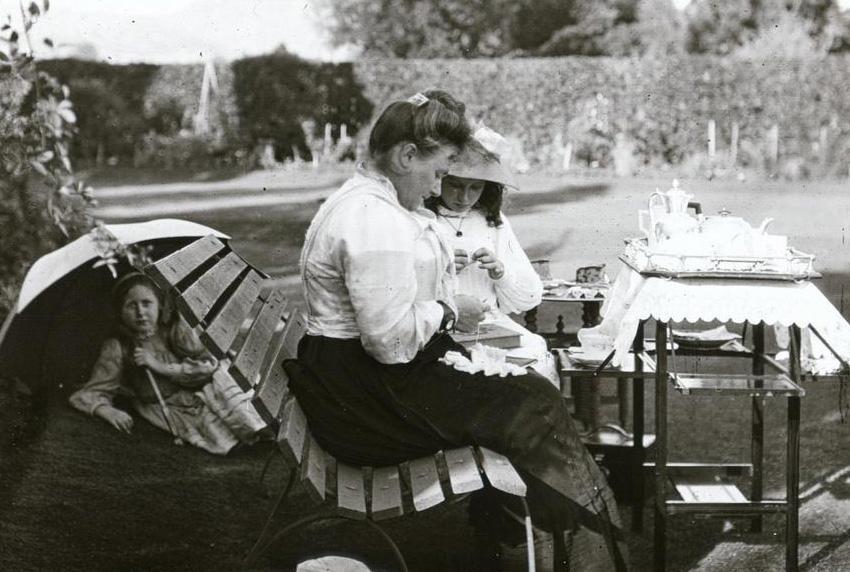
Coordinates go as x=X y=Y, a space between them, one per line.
x=532 y=202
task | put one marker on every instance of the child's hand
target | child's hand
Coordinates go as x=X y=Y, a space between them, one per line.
x=461 y=259
x=145 y=357
x=488 y=261
x=117 y=418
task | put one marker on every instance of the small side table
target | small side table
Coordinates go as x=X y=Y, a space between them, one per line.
x=623 y=453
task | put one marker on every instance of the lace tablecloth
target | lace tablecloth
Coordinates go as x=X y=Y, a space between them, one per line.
x=634 y=297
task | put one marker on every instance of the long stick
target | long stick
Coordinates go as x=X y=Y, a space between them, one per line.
x=165 y=411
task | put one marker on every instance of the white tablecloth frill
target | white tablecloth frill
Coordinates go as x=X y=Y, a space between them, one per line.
x=635 y=297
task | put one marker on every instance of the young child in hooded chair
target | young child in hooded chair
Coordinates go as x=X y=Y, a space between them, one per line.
x=156 y=360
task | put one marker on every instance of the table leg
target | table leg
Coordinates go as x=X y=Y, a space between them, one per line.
x=531 y=320
x=757 y=435
x=660 y=504
x=590 y=315
x=637 y=432
x=588 y=397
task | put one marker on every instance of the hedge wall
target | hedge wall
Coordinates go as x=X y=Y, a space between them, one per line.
x=664 y=104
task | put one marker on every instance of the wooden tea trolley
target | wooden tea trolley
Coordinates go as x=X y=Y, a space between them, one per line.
x=687 y=488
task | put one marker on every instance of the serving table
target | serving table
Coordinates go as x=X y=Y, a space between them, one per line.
x=697 y=487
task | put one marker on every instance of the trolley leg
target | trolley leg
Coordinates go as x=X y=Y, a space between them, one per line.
x=660 y=539
x=637 y=432
x=792 y=472
x=757 y=449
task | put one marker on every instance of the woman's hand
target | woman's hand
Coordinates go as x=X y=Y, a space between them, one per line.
x=461 y=259
x=488 y=261
x=470 y=312
x=115 y=417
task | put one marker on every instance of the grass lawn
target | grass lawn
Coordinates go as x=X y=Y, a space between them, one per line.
x=76 y=495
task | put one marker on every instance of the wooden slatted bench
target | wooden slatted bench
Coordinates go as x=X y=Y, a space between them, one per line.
x=253 y=332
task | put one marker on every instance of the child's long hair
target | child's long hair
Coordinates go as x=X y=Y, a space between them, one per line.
x=177 y=333
x=489 y=203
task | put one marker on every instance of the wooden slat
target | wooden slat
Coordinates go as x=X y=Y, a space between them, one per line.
x=501 y=473
x=247 y=365
x=314 y=470
x=168 y=271
x=425 y=483
x=220 y=334
x=271 y=394
x=274 y=382
x=350 y=491
x=293 y=432
x=463 y=471
x=710 y=492
x=199 y=298
x=386 y=493
x=296 y=327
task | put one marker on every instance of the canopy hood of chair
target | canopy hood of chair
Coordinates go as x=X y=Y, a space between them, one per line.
x=54 y=265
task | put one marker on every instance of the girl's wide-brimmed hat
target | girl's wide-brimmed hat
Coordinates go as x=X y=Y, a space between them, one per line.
x=482 y=159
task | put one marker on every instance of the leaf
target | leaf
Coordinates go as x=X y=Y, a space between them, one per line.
x=104 y=262
x=3 y=57
x=14 y=37
x=46 y=5
x=48 y=42
x=40 y=168
x=34 y=10
x=45 y=156
x=4 y=27
x=66 y=114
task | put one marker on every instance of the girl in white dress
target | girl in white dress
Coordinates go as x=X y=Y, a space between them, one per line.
x=490 y=264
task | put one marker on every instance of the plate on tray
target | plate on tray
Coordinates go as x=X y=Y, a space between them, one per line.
x=566 y=290
x=709 y=339
x=579 y=357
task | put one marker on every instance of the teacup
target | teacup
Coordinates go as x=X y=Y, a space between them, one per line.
x=594 y=343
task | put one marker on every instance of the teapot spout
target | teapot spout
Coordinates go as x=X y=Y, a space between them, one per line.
x=764 y=224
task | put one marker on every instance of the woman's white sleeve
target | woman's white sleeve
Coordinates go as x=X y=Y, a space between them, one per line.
x=520 y=288
x=378 y=261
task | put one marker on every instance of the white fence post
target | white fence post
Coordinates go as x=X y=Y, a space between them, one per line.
x=733 y=146
x=712 y=141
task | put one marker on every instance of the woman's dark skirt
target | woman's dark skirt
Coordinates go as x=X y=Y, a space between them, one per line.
x=368 y=413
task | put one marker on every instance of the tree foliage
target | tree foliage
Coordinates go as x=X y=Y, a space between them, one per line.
x=275 y=94
x=482 y=28
x=42 y=204
x=723 y=28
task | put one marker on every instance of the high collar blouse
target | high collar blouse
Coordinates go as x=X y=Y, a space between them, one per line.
x=373 y=270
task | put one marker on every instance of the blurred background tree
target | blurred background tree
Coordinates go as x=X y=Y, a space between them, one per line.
x=478 y=28
x=723 y=28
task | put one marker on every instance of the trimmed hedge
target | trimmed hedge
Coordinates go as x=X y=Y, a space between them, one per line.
x=664 y=104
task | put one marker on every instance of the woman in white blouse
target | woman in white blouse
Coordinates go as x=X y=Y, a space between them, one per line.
x=378 y=283
x=490 y=263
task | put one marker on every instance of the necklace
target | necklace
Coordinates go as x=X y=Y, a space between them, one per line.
x=457 y=229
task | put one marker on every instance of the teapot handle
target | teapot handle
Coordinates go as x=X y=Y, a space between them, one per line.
x=660 y=195
x=643 y=224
